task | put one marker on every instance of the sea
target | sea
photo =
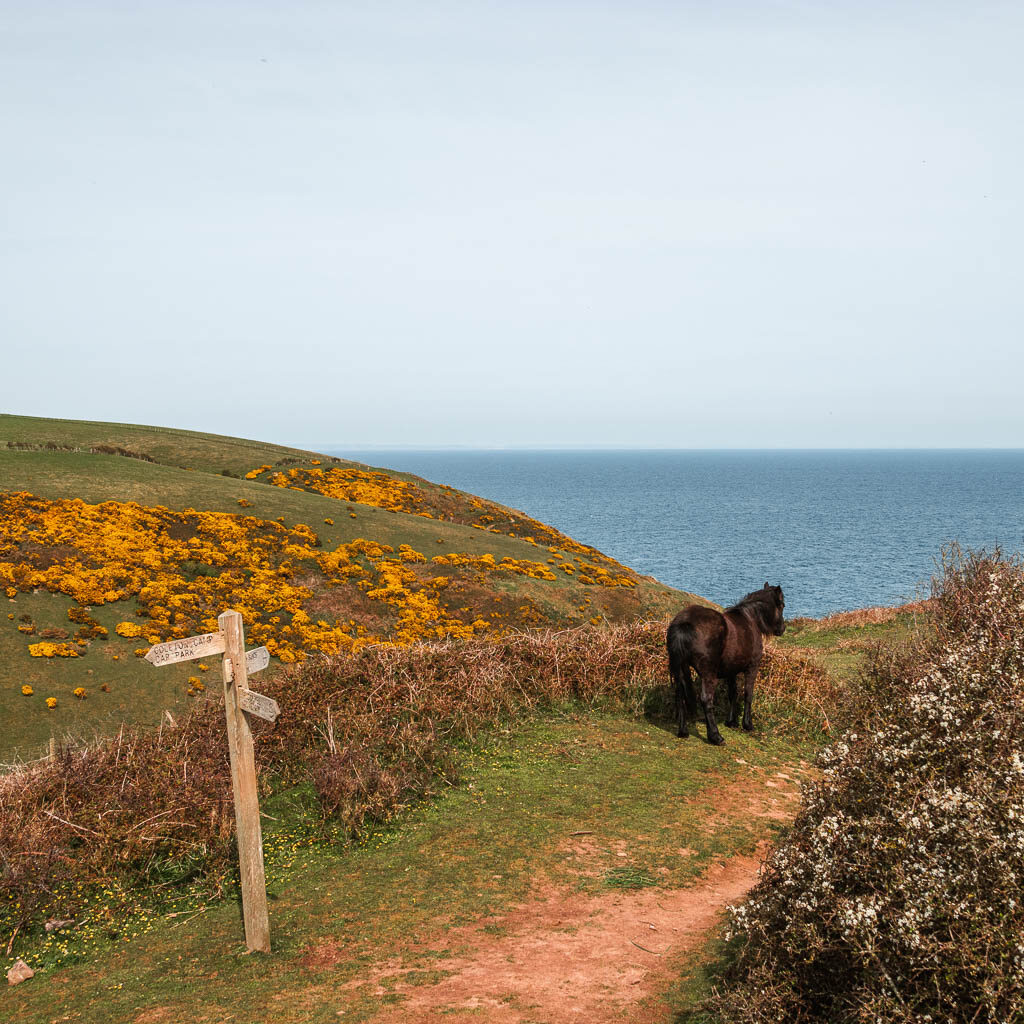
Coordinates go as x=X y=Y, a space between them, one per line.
x=836 y=529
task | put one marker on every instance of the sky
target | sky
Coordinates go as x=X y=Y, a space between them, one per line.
x=531 y=224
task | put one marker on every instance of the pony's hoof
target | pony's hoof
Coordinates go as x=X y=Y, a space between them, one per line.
x=717 y=740
x=683 y=735
x=748 y=726
x=733 y=724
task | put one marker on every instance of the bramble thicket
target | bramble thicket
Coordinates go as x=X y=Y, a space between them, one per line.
x=898 y=895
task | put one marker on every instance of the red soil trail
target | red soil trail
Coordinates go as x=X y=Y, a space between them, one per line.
x=564 y=958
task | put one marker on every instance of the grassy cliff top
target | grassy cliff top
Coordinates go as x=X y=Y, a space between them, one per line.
x=117 y=536
x=183 y=449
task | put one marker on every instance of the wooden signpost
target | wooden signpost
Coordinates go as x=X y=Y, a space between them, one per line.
x=239 y=701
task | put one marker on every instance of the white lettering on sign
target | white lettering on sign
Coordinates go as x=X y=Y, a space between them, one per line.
x=189 y=649
x=259 y=705
x=256 y=660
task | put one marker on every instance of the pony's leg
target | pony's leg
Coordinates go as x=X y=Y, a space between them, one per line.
x=682 y=678
x=748 y=693
x=734 y=703
x=679 y=670
x=708 y=683
x=691 y=696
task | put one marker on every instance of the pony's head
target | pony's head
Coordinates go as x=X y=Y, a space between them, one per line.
x=767 y=604
x=774 y=607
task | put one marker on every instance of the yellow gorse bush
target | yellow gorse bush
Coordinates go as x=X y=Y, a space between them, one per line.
x=373 y=487
x=183 y=568
x=368 y=487
x=48 y=650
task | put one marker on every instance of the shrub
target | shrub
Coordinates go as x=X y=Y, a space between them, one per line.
x=897 y=897
x=113 y=810
x=356 y=783
x=53 y=633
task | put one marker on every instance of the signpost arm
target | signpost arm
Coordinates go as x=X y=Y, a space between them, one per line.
x=243 y=779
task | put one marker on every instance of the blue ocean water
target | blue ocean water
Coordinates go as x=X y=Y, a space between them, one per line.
x=837 y=529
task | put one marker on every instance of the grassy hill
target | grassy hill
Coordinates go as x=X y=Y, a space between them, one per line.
x=116 y=536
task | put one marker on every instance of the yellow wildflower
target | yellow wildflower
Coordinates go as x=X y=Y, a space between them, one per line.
x=48 y=650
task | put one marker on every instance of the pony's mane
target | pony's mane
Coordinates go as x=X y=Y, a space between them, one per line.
x=754 y=597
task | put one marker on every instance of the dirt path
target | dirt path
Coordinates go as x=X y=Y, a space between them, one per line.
x=569 y=957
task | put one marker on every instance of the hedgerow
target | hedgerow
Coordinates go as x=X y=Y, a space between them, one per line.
x=898 y=896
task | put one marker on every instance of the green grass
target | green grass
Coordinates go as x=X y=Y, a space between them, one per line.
x=471 y=854
x=701 y=973
x=873 y=632
x=208 y=453
x=843 y=649
x=137 y=691
x=628 y=878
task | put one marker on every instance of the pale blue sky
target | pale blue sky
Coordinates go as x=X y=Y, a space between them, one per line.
x=527 y=224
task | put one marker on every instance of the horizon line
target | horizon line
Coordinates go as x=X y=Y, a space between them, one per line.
x=320 y=446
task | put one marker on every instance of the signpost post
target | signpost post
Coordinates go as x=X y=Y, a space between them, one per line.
x=239 y=701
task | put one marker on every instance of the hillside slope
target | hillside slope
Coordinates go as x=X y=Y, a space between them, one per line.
x=116 y=536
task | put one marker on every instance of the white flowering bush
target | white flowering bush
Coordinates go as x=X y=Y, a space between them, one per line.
x=898 y=896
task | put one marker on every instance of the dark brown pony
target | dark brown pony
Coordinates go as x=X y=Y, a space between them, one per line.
x=721 y=645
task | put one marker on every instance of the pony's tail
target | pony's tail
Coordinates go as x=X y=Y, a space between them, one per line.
x=679 y=642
